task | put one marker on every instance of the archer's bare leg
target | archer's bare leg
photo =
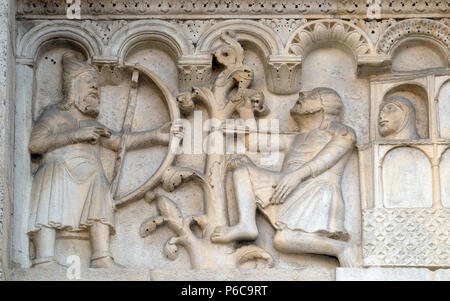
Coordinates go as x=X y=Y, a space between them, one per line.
x=246 y=228
x=288 y=241
x=44 y=243
x=100 y=239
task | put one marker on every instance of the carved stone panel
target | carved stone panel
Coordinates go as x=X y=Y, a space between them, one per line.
x=226 y=140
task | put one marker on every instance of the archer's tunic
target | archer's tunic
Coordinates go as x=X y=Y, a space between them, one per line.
x=70 y=190
x=316 y=205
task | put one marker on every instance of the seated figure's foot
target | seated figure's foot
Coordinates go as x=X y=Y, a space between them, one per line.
x=235 y=233
x=105 y=263
x=350 y=257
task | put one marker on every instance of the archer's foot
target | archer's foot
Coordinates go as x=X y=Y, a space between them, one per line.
x=235 y=233
x=350 y=257
x=105 y=263
x=47 y=264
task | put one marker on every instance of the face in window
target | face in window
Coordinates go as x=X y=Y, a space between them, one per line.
x=88 y=101
x=390 y=119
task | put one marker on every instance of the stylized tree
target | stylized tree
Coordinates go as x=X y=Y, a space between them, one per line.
x=229 y=94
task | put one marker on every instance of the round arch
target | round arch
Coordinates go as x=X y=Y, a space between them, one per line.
x=250 y=31
x=430 y=31
x=155 y=30
x=316 y=33
x=33 y=40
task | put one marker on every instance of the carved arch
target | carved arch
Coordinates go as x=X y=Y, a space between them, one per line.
x=311 y=34
x=428 y=30
x=155 y=30
x=442 y=153
x=439 y=88
x=29 y=45
x=260 y=35
x=416 y=147
x=409 y=186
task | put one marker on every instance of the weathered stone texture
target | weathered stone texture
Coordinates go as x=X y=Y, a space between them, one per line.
x=6 y=110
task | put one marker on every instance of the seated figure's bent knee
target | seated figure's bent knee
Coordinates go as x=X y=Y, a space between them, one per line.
x=280 y=242
x=240 y=172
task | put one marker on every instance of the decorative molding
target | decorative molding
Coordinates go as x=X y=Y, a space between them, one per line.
x=193 y=29
x=282 y=75
x=194 y=71
x=316 y=32
x=283 y=27
x=406 y=237
x=438 y=31
x=231 y=8
x=105 y=29
x=373 y=28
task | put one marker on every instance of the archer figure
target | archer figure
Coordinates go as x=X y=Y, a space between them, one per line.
x=70 y=189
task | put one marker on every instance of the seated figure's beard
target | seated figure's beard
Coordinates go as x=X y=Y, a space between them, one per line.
x=304 y=110
x=89 y=110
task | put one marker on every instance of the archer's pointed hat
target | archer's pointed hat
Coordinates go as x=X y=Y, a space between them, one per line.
x=74 y=65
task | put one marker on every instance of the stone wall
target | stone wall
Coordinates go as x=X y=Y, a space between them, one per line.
x=7 y=26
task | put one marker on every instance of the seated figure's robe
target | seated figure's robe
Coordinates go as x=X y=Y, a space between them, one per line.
x=315 y=205
x=70 y=190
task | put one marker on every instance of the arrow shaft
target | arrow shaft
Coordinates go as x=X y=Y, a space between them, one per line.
x=126 y=129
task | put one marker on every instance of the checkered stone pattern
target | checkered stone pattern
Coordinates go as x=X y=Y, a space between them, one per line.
x=406 y=237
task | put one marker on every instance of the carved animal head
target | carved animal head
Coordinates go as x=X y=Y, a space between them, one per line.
x=231 y=53
x=259 y=107
x=185 y=103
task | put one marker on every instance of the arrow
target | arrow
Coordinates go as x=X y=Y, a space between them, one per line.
x=126 y=129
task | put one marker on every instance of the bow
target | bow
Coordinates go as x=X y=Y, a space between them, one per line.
x=174 y=143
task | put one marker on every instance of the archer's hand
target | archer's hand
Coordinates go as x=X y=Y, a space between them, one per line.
x=176 y=128
x=90 y=134
x=285 y=186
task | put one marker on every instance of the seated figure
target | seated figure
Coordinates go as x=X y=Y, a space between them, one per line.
x=303 y=201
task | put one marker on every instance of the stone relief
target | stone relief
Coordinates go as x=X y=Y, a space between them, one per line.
x=70 y=190
x=373 y=8
x=234 y=80
x=354 y=176
x=303 y=201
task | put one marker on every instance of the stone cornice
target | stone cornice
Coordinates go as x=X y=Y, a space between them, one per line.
x=226 y=9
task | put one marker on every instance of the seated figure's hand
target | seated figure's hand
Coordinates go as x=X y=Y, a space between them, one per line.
x=90 y=134
x=237 y=161
x=285 y=186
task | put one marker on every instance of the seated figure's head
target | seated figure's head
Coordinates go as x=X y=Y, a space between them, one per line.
x=397 y=118
x=320 y=99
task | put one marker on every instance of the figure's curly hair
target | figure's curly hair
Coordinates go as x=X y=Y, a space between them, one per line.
x=332 y=105
x=330 y=99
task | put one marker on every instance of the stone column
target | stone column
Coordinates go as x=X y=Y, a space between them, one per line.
x=6 y=131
